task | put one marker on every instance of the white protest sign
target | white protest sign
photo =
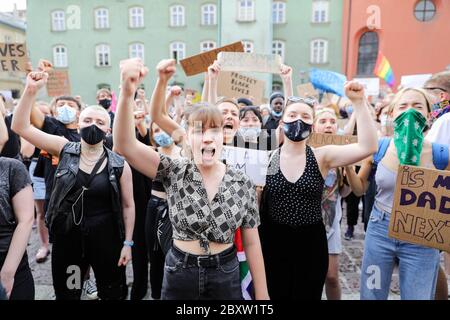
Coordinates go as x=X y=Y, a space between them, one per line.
x=250 y=62
x=252 y=162
x=371 y=85
x=415 y=81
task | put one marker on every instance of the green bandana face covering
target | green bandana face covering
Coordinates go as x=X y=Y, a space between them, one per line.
x=408 y=136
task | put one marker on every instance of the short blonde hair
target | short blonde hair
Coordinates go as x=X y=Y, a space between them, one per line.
x=400 y=94
x=322 y=111
x=101 y=110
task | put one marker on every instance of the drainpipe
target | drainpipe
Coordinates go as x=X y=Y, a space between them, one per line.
x=348 y=35
x=219 y=23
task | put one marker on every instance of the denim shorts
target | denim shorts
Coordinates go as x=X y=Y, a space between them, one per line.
x=38 y=183
x=193 y=277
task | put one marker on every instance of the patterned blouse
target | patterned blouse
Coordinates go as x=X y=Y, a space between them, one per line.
x=191 y=214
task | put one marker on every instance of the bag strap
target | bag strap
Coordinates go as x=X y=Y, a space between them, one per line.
x=383 y=145
x=440 y=155
x=95 y=170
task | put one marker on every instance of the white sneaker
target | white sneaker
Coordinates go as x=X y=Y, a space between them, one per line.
x=90 y=289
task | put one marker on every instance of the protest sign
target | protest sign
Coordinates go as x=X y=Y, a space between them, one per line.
x=307 y=90
x=250 y=62
x=252 y=162
x=200 y=62
x=328 y=81
x=371 y=86
x=321 y=139
x=421 y=210
x=415 y=81
x=235 y=85
x=58 y=83
x=13 y=57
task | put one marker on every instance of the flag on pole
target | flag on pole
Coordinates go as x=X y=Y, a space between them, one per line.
x=246 y=278
x=383 y=69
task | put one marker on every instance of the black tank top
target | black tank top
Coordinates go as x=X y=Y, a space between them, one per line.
x=294 y=204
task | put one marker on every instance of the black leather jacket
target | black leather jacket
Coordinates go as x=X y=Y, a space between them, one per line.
x=65 y=178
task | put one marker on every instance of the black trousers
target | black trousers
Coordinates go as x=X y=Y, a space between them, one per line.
x=296 y=260
x=98 y=246
x=156 y=256
x=352 y=209
x=23 y=287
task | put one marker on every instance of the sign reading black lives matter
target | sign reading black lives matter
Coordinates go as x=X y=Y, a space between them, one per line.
x=421 y=211
x=13 y=57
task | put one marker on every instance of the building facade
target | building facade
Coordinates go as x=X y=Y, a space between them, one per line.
x=410 y=33
x=12 y=30
x=89 y=38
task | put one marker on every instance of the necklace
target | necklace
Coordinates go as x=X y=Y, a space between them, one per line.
x=90 y=162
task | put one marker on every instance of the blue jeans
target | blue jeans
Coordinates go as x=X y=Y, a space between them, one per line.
x=418 y=265
x=2 y=293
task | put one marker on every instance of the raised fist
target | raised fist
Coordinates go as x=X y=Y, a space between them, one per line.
x=166 y=69
x=214 y=70
x=37 y=80
x=132 y=73
x=354 y=91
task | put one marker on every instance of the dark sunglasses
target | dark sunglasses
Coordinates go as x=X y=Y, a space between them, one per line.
x=309 y=101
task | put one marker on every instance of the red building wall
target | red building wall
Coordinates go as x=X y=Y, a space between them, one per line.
x=410 y=45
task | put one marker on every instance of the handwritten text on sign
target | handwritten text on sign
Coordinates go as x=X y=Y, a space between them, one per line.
x=251 y=62
x=251 y=162
x=421 y=211
x=13 y=57
x=200 y=62
x=235 y=85
x=321 y=139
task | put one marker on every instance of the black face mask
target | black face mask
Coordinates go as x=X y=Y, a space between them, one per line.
x=297 y=130
x=105 y=103
x=92 y=134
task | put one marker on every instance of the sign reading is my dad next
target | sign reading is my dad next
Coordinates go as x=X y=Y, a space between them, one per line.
x=421 y=211
x=13 y=57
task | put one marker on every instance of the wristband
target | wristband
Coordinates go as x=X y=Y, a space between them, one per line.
x=128 y=243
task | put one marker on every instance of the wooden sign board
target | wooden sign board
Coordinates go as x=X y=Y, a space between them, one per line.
x=249 y=62
x=421 y=210
x=235 y=85
x=307 y=90
x=200 y=62
x=252 y=162
x=58 y=83
x=321 y=139
x=13 y=57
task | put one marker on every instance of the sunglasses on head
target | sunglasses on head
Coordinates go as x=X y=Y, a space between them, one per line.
x=293 y=99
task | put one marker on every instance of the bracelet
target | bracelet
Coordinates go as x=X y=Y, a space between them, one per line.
x=128 y=243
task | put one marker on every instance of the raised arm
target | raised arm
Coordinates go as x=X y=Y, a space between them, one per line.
x=286 y=77
x=166 y=69
x=138 y=155
x=213 y=75
x=338 y=156
x=21 y=120
x=205 y=91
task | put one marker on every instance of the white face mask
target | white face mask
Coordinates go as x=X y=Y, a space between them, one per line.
x=66 y=114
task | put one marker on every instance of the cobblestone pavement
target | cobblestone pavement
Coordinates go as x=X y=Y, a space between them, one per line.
x=350 y=262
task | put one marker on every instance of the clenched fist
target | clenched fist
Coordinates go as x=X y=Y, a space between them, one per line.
x=214 y=70
x=132 y=73
x=354 y=91
x=166 y=69
x=36 y=80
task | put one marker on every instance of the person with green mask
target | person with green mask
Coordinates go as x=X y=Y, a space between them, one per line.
x=418 y=265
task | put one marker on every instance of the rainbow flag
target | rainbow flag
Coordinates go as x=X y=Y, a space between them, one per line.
x=383 y=69
x=246 y=277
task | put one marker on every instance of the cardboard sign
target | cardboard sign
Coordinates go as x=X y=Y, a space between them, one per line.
x=249 y=62
x=415 y=81
x=252 y=162
x=13 y=57
x=371 y=86
x=200 y=62
x=321 y=139
x=307 y=90
x=58 y=83
x=421 y=211
x=235 y=85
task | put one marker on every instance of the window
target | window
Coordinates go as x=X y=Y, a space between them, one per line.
x=176 y=16
x=248 y=46
x=278 y=12
x=319 y=51
x=178 y=50
x=207 y=45
x=8 y=39
x=278 y=48
x=246 y=10
x=136 y=17
x=60 y=57
x=58 y=20
x=137 y=50
x=367 y=53
x=209 y=14
x=320 y=11
x=425 y=10
x=101 y=18
x=102 y=53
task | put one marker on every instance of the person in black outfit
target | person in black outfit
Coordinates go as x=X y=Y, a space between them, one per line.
x=104 y=99
x=276 y=103
x=11 y=149
x=91 y=209
x=16 y=221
